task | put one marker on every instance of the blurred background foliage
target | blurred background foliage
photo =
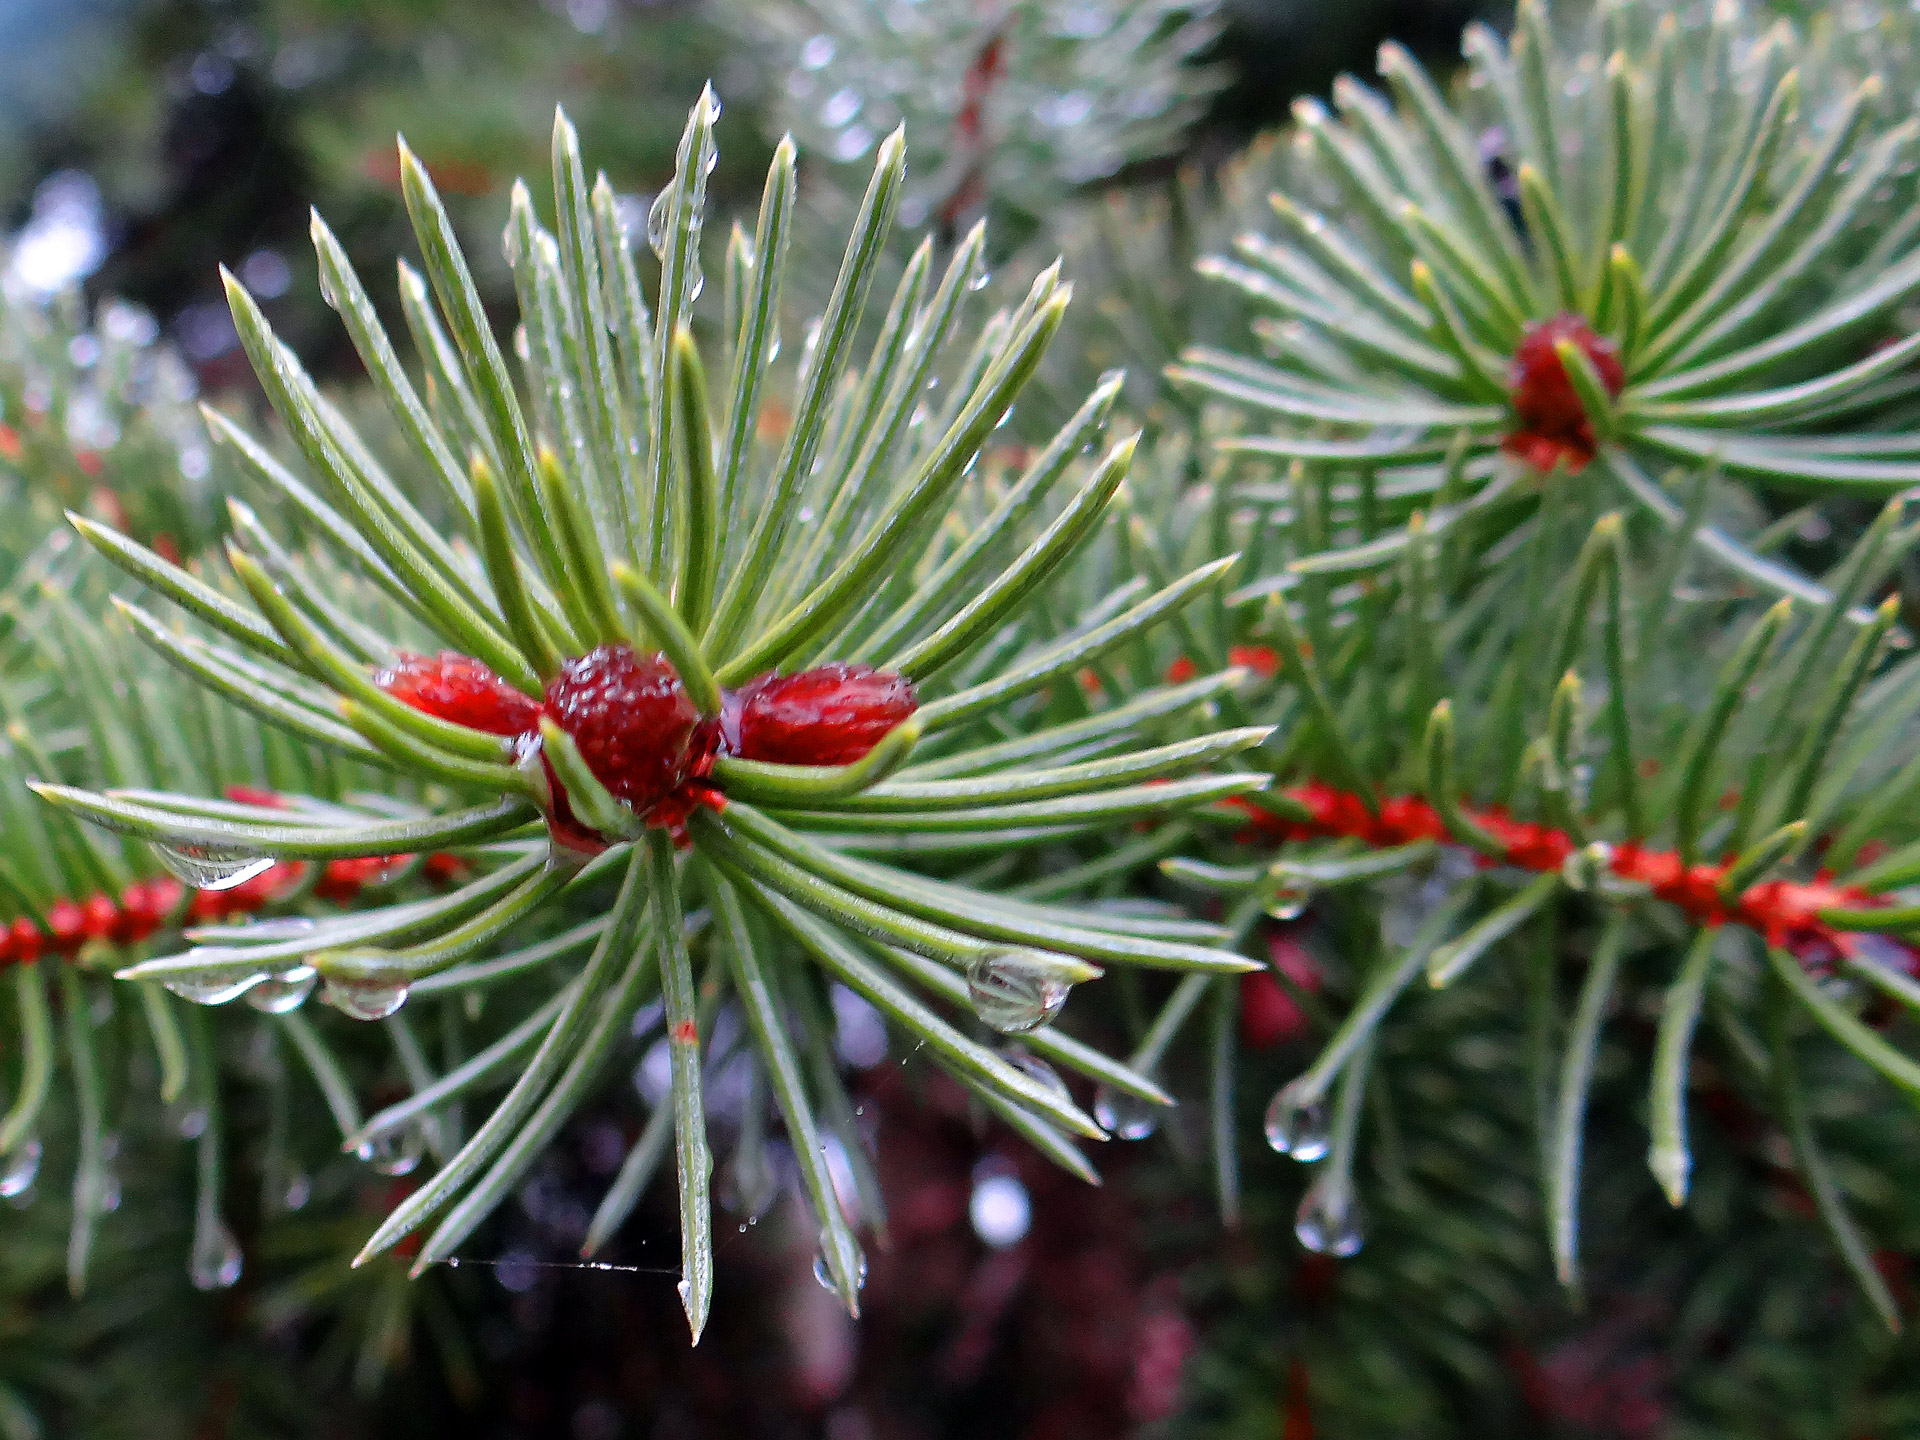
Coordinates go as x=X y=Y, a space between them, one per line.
x=186 y=134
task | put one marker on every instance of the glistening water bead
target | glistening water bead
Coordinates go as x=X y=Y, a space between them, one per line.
x=752 y=1182
x=1015 y=991
x=1289 y=902
x=824 y=1273
x=211 y=867
x=398 y=1157
x=215 y=1262
x=364 y=999
x=1123 y=1115
x=284 y=993
x=1038 y=1070
x=1329 y=1224
x=1295 y=1127
x=19 y=1170
x=213 y=987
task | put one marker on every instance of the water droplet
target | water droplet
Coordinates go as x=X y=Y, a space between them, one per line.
x=978 y=275
x=364 y=999
x=817 y=53
x=522 y=345
x=1290 y=901
x=188 y=1119
x=283 y=993
x=213 y=987
x=18 y=1171
x=1586 y=867
x=1015 y=991
x=1411 y=899
x=752 y=1183
x=824 y=1273
x=215 y=1262
x=211 y=867
x=657 y=214
x=1040 y=1073
x=327 y=296
x=1295 y=1127
x=696 y=283
x=298 y=1190
x=397 y=1157
x=1326 y=1227
x=1124 y=1116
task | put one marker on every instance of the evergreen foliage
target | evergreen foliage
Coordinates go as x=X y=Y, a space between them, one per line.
x=1410 y=695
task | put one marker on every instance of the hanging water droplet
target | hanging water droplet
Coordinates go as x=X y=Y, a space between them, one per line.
x=364 y=998
x=327 y=297
x=18 y=1171
x=215 y=1262
x=1586 y=867
x=1123 y=1115
x=211 y=867
x=978 y=275
x=696 y=283
x=397 y=1157
x=824 y=1272
x=213 y=987
x=1327 y=1227
x=1290 y=901
x=522 y=345
x=657 y=214
x=1015 y=991
x=817 y=53
x=752 y=1183
x=188 y=1119
x=1041 y=1073
x=1297 y=1127
x=297 y=1191
x=283 y=993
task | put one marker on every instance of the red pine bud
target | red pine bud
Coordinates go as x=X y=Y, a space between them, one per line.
x=459 y=688
x=630 y=717
x=1553 y=425
x=830 y=716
